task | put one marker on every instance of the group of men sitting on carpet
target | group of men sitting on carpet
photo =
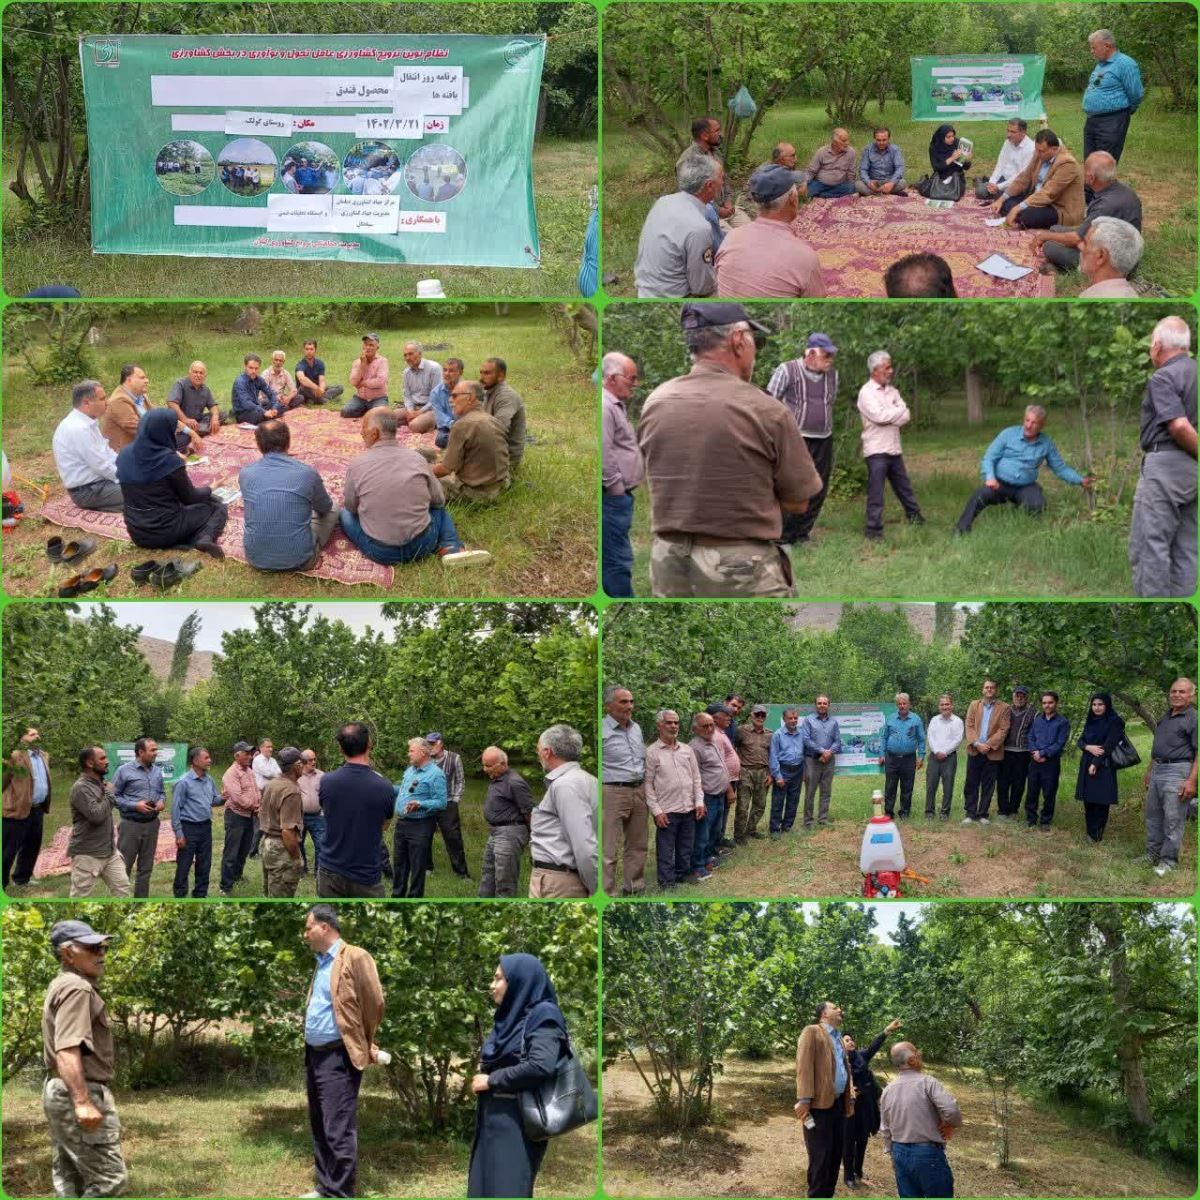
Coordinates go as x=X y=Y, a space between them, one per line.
x=121 y=453
x=698 y=242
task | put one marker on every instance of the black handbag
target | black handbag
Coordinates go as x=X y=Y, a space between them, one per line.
x=938 y=187
x=564 y=1102
x=1124 y=754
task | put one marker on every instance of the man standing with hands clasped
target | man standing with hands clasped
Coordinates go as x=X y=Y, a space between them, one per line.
x=343 y=1011
x=824 y=1097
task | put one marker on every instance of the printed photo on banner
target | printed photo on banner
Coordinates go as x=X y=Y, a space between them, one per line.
x=410 y=111
x=1016 y=151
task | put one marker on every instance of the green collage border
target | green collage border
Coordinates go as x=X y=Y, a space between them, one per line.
x=598 y=600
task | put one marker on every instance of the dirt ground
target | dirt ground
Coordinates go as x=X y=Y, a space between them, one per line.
x=755 y=1146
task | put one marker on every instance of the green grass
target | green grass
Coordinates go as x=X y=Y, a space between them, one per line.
x=1159 y=163
x=1008 y=554
x=231 y=1138
x=563 y=171
x=1003 y=859
x=441 y=882
x=541 y=533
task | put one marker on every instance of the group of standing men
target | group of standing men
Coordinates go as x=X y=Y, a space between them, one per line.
x=274 y=803
x=771 y=455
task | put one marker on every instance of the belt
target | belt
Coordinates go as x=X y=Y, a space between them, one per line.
x=326 y=1045
x=504 y=824
x=632 y=783
x=627 y=492
x=704 y=539
x=1167 y=762
x=1163 y=446
x=544 y=866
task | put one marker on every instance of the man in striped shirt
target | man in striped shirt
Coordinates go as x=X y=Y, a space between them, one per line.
x=447 y=819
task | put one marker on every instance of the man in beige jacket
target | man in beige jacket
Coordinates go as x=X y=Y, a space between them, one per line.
x=986 y=728
x=344 y=1007
x=824 y=1096
x=883 y=413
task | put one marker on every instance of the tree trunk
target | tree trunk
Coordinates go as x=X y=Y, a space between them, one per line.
x=974 y=396
x=1129 y=1047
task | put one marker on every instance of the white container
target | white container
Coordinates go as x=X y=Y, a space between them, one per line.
x=882 y=849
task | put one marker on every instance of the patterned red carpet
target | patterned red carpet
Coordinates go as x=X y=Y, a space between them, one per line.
x=320 y=437
x=53 y=859
x=858 y=237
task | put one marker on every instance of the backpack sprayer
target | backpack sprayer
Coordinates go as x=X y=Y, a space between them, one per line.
x=881 y=858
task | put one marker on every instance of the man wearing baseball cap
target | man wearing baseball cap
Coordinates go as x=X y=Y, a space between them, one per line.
x=808 y=387
x=709 y=434
x=368 y=378
x=765 y=257
x=85 y=1133
x=281 y=820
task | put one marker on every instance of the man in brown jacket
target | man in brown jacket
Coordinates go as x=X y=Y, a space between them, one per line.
x=824 y=1096
x=343 y=1011
x=1048 y=192
x=26 y=801
x=986 y=728
x=126 y=406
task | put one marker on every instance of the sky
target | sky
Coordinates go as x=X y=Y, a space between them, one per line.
x=162 y=618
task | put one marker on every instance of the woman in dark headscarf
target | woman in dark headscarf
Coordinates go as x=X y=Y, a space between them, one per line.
x=1096 y=784
x=863 y=1123
x=945 y=154
x=527 y=1042
x=162 y=508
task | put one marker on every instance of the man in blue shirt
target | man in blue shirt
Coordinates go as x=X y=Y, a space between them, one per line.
x=253 y=400
x=881 y=168
x=310 y=377
x=1047 y=737
x=822 y=744
x=1010 y=469
x=140 y=796
x=421 y=794
x=439 y=402
x=903 y=755
x=1114 y=91
x=357 y=802
x=289 y=515
x=786 y=764
x=192 y=800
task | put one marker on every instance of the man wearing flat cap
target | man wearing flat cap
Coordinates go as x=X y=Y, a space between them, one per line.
x=368 y=378
x=765 y=257
x=281 y=820
x=709 y=434
x=85 y=1132
x=808 y=388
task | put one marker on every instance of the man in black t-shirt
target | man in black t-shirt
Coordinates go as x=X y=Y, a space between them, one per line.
x=358 y=803
x=310 y=377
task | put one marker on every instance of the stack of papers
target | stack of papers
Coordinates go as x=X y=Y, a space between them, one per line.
x=1002 y=268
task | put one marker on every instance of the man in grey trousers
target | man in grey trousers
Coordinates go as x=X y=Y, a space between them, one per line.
x=1162 y=537
x=1171 y=780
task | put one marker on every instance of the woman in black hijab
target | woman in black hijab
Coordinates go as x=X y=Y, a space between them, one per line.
x=162 y=507
x=1096 y=784
x=863 y=1123
x=945 y=154
x=528 y=1039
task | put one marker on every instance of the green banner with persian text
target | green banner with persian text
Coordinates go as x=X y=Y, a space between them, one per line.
x=362 y=148
x=860 y=727
x=978 y=87
x=171 y=757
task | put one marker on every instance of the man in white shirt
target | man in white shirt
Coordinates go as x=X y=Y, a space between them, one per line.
x=943 y=736
x=421 y=376
x=1015 y=153
x=86 y=463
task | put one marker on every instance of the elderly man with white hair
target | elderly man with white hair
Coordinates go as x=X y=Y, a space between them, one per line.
x=916 y=1116
x=675 y=799
x=563 y=825
x=506 y=809
x=1109 y=198
x=675 y=249
x=1170 y=782
x=1162 y=537
x=421 y=376
x=622 y=472
x=884 y=413
x=1010 y=468
x=1114 y=91
x=1107 y=256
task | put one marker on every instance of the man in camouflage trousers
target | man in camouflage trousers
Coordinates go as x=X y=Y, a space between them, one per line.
x=753 y=746
x=85 y=1132
x=724 y=462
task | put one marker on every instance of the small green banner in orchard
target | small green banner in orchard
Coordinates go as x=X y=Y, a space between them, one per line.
x=978 y=87
x=860 y=727
x=363 y=148
x=171 y=757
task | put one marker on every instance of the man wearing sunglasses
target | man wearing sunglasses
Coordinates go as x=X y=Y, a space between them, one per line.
x=724 y=462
